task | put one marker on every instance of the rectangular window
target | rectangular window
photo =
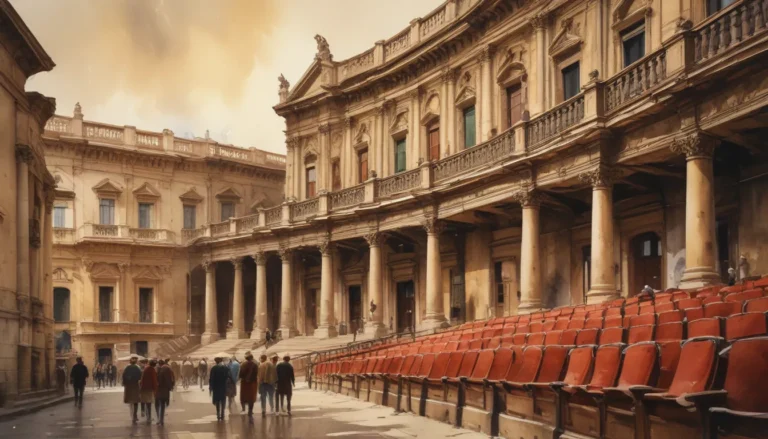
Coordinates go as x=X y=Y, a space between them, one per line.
x=362 y=164
x=514 y=105
x=105 y=304
x=434 y=142
x=714 y=6
x=571 y=81
x=311 y=182
x=145 y=215
x=142 y=348
x=59 y=216
x=400 y=156
x=633 y=40
x=60 y=305
x=107 y=211
x=336 y=176
x=586 y=280
x=469 y=127
x=227 y=210
x=498 y=279
x=190 y=216
x=145 y=305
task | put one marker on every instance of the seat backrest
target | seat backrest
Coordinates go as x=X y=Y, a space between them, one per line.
x=664 y=307
x=670 y=316
x=511 y=319
x=466 y=336
x=463 y=345
x=508 y=329
x=631 y=310
x=502 y=361
x=395 y=365
x=669 y=332
x=519 y=338
x=438 y=347
x=479 y=324
x=693 y=302
x=669 y=357
x=483 y=364
x=711 y=327
x=468 y=363
x=595 y=314
x=746 y=325
x=756 y=305
x=373 y=363
x=440 y=365
x=638 y=364
x=641 y=333
x=476 y=344
x=607 y=363
x=536 y=338
x=711 y=299
x=587 y=337
x=580 y=362
x=405 y=368
x=454 y=363
x=548 y=325
x=537 y=316
x=642 y=319
x=488 y=333
x=427 y=360
x=529 y=366
x=451 y=346
x=594 y=323
x=662 y=298
x=492 y=343
x=552 y=338
x=646 y=308
x=611 y=335
x=746 y=389
x=536 y=327
x=569 y=336
x=357 y=366
x=383 y=365
x=425 y=348
x=562 y=323
x=507 y=341
x=697 y=366
x=722 y=309
x=522 y=328
x=614 y=321
x=613 y=312
x=744 y=295
x=552 y=364
x=576 y=323
x=346 y=366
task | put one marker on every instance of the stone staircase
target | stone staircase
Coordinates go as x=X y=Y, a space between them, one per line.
x=236 y=347
x=178 y=347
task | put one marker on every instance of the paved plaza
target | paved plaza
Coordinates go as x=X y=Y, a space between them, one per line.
x=192 y=416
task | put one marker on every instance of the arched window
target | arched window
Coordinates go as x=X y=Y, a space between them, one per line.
x=60 y=304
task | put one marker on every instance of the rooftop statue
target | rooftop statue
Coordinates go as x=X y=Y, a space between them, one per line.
x=323 y=50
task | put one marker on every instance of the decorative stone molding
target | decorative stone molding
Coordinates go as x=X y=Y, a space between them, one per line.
x=539 y=22
x=528 y=198
x=88 y=264
x=325 y=245
x=695 y=146
x=486 y=54
x=24 y=154
x=237 y=263
x=433 y=226
x=324 y=128
x=260 y=257
x=123 y=266
x=600 y=178
x=285 y=252
x=208 y=265
x=347 y=122
x=22 y=303
x=292 y=142
x=374 y=238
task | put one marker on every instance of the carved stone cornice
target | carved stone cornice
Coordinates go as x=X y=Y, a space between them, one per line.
x=695 y=146
x=602 y=177
x=24 y=153
x=374 y=238
x=433 y=226
x=260 y=258
x=528 y=198
x=237 y=263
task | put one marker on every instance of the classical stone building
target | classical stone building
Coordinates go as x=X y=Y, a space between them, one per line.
x=26 y=347
x=497 y=157
x=128 y=204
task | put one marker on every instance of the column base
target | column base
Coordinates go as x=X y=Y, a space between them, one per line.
x=697 y=277
x=435 y=322
x=528 y=307
x=236 y=334
x=376 y=330
x=286 y=333
x=208 y=338
x=597 y=296
x=258 y=334
x=326 y=332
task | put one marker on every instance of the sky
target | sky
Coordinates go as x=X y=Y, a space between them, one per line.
x=197 y=65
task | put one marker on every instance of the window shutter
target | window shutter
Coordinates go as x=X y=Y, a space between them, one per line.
x=400 y=156
x=469 y=127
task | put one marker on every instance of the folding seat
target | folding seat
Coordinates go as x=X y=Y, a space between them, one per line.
x=598 y=313
x=586 y=336
x=664 y=307
x=631 y=301
x=662 y=298
x=476 y=344
x=756 y=305
x=617 y=303
x=722 y=309
x=744 y=295
x=467 y=325
x=646 y=308
x=641 y=333
x=473 y=411
x=535 y=339
x=438 y=347
x=576 y=323
x=466 y=335
x=746 y=325
x=519 y=339
x=642 y=319
x=463 y=345
x=376 y=382
x=411 y=384
x=536 y=327
x=670 y=316
x=511 y=319
x=566 y=311
x=593 y=307
x=537 y=316
x=479 y=324
x=552 y=314
x=456 y=336
x=679 y=295
x=430 y=382
x=477 y=333
x=594 y=323
x=694 y=313
x=710 y=327
x=612 y=335
x=508 y=330
x=516 y=400
x=711 y=299
x=494 y=321
x=552 y=338
x=440 y=399
x=579 y=314
x=670 y=332
x=612 y=312
x=631 y=310
x=451 y=346
x=562 y=323
x=491 y=343
x=613 y=321
x=669 y=358
x=732 y=289
x=524 y=319
x=425 y=349
x=374 y=365
x=522 y=327
x=490 y=332
x=507 y=341
x=569 y=336
x=548 y=325
x=686 y=303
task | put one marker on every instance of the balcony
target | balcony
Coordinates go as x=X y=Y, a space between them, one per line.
x=121 y=233
x=474 y=158
x=64 y=236
x=125 y=328
x=737 y=25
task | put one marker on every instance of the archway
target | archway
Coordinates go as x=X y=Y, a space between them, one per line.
x=646 y=261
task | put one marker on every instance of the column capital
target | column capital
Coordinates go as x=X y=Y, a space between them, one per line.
x=325 y=245
x=433 y=226
x=486 y=53
x=324 y=128
x=291 y=142
x=539 y=21
x=694 y=146
x=123 y=266
x=24 y=153
x=374 y=238
x=237 y=262
x=348 y=122
x=285 y=252
x=602 y=177
x=528 y=198
x=208 y=265
x=260 y=257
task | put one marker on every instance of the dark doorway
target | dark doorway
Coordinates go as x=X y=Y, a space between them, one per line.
x=105 y=355
x=105 y=304
x=142 y=348
x=405 y=306
x=646 y=249
x=146 y=305
x=311 y=311
x=63 y=342
x=197 y=301
x=60 y=304
x=225 y=288
x=355 y=307
x=723 y=240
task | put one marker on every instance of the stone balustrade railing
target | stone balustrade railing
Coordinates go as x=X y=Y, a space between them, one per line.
x=554 y=122
x=126 y=328
x=153 y=235
x=188 y=235
x=398 y=43
x=220 y=229
x=149 y=140
x=63 y=236
x=103 y=132
x=247 y=223
x=273 y=215
x=636 y=80
x=431 y=23
x=400 y=182
x=58 y=124
x=730 y=27
x=472 y=158
x=305 y=209
x=347 y=197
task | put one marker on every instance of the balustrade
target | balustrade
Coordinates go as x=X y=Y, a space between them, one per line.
x=433 y=22
x=347 y=197
x=219 y=229
x=489 y=152
x=398 y=44
x=106 y=230
x=729 y=28
x=273 y=215
x=190 y=234
x=305 y=209
x=104 y=132
x=148 y=139
x=400 y=182
x=57 y=124
x=555 y=121
x=636 y=80
x=247 y=223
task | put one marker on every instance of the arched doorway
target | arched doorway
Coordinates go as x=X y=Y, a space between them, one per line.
x=646 y=262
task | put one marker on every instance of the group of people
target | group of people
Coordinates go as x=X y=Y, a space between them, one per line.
x=146 y=383
x=104 y=375
x=263 y=378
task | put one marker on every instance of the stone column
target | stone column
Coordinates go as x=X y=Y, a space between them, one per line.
x=24 y=156
x=530 y=260
x=435 y=316
x=211 y=333
x=327 y=325
x=238 y=307
x=291 y=166
x=700 y=243
x=260 y=316
x=376 y=326
x=348 y=172
x=120 y=313
x=298 y=171
x=287 y=323
x=486 y=93
x=415 y=154
x=539 y=27
x=603 y=278
x=450 y=134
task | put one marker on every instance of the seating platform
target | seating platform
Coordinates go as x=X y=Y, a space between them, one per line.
x=681 y=364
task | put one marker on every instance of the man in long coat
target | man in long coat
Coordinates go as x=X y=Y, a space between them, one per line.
x=249 y=374
x=217 y=387
x=78 y=376
x=148 y=386
x=286 y=381
x=165 y=382
x=187 y=372
x=131 y=390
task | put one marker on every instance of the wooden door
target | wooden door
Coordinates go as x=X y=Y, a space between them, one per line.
x=405 y=306
x=646 y=249
x=434 y=143
x=514 y=105
x=362 y=163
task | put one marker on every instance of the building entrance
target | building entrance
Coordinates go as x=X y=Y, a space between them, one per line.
x=405 y=306
x=646 y=249
x=355 y=307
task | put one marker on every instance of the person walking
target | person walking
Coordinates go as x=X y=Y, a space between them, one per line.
x=78 y=376
x=148 y=386
x=176 y=369
x=286 y=381
x=267 y=377
x=61 y=379
x=131 y=389
x=267 y=337
x=234 y=373
x=97 y=375
x=143 y=364
x=165 y=383
x=187 y=371
x=202 y=371
x=249 y=378
x=217 y=387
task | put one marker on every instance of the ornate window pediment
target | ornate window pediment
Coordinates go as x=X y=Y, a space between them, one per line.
x=566 y=41
x=229 y=194
x=431 y=110
x=362 y=138
x=629 y=11
x=148 y=273
x=60 y=275
x=399 y=124
x=146 y=192
x=191 y=197
x=511 y=68
x=108 y=188
x=466 y=95
x=105 y=271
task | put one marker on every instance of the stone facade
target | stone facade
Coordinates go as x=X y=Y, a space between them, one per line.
x=500 y=157
x=26 y=348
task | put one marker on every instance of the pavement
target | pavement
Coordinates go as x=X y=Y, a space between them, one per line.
x=192 y=416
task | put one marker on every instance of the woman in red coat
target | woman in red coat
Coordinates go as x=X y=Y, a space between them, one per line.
x=148 y=386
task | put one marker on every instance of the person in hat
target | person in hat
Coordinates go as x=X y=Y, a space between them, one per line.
x=187 y=372
x=248 y=375
x=217 y=387
x=286 y=381
x=267 y=377
x=148 y=386
x=131 y=390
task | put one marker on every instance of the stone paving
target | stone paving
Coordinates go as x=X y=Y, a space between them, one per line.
x=192 y=416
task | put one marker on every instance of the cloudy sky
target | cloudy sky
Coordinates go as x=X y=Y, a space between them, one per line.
x=192 y=65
